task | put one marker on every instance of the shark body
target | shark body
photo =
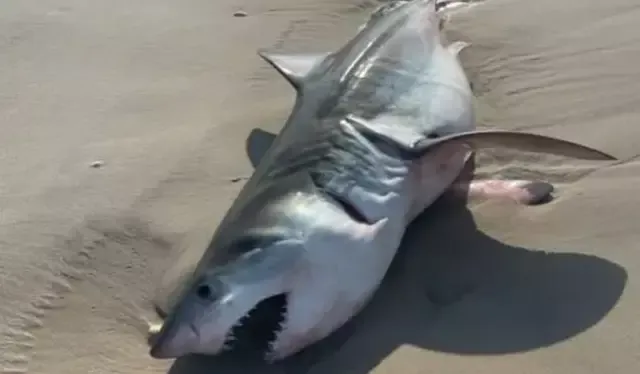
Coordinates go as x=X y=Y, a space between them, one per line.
x=379 y=130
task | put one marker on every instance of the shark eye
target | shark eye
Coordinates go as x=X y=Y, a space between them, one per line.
x=208 y=288
x=432 y=135
x=204 y=291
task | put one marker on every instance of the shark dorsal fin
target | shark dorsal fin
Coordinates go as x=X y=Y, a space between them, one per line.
x=293 y=67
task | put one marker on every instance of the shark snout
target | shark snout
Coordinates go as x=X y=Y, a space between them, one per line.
x=173 y=340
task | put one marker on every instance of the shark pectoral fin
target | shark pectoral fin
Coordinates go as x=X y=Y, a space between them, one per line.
x=293 y=67
x=455 y=47
x=516 y=140
x=414 y=145
x=257 y=144
x=402 y=138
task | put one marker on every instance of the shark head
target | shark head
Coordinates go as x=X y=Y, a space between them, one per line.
x=284 y=291
x=221 y=301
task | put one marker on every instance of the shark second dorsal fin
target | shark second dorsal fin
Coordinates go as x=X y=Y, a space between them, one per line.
x=293 y=67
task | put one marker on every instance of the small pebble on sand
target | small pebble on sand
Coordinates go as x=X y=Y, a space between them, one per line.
x=240 y=13
x=97 y=164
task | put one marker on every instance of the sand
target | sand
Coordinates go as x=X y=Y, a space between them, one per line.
x=162 y=94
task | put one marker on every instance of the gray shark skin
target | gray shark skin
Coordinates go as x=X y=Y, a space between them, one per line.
x=379 y=130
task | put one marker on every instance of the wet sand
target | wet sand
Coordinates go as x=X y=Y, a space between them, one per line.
x=162 y=94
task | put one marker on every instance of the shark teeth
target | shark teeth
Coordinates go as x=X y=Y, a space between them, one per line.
x=259 y=329
x=270 y=355
x=231 y=338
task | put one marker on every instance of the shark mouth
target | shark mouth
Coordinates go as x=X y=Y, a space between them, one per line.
x=254 y=334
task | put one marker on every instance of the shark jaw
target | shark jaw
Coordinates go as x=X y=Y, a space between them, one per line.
x=253 y=335
x=257 y=331
x=242 y=306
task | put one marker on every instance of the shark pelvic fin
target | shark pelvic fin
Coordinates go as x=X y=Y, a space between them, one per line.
x=293 y=67
x=415 y=145
x=457 y=46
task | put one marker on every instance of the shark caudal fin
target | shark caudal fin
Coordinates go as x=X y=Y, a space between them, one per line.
x=293 y=68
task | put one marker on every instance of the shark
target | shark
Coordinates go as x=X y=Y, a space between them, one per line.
x=380 y=128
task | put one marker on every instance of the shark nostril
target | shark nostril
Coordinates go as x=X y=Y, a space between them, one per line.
x=432 y=135
x=204 y=292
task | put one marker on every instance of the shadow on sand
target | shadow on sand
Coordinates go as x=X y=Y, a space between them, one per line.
x=454 y=289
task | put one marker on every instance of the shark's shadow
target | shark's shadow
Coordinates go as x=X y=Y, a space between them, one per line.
x=454 y=289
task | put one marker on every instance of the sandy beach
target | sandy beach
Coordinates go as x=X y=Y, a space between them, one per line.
x=122 y=143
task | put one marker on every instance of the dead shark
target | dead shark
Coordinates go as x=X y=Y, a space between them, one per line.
x=379 y=130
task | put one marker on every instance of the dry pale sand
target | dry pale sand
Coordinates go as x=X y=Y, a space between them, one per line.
x=164 y=93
